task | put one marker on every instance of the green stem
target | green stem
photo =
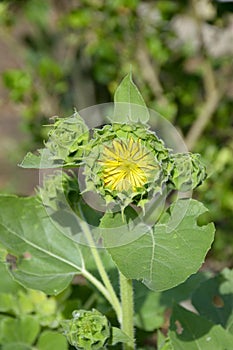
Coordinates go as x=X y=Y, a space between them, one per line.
x=127 y=325
x=112 y=297
x=97 y=284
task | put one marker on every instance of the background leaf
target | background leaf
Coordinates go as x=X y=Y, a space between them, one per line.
x=192 y=332
x=45 y=258
x=52 y=340
x=170 y=253
x=211 y=303
x=149 y=311
x=23 y=330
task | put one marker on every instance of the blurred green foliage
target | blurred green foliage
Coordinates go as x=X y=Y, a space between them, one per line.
x=75 y=53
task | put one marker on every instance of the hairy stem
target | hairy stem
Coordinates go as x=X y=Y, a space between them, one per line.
x=127 y=325
x=110 y=295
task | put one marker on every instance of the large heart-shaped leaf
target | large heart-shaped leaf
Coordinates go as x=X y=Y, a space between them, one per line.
x=174 y=248
x=42 y=257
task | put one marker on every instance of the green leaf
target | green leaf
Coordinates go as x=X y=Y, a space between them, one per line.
x=174 y=249
x=17 y=346
x=52 y=340
x=118 y=336
x=192 y=332
x=7 y=303
x=184 y=290
x=45 y=258
x=7 y=285
x=129 y=105
x=117 y=229
x=211 y=302
x=149 y=311
x=164 y=343
x=23 y=330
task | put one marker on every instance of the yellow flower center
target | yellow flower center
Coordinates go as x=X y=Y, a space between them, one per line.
x=126 y=165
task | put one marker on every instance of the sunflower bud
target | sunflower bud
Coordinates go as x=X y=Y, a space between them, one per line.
x=67 y=139
x=188 y=172
x=126 y=164
x=89 y=330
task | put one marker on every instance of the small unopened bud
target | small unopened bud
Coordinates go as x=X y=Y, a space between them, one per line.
x=188 y=171
x=89 y=330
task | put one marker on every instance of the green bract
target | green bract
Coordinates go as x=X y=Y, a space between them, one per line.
x=59 y=188
x=89 y=330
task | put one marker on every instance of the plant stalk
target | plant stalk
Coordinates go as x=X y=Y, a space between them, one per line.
x=127 y=304
x=113 y=299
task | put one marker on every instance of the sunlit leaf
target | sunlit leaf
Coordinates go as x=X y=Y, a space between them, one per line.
x=174 y=249
x=45 y=258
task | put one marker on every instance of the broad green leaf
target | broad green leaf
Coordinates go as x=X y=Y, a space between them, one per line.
x=192 y=332
x=149 y=311
x=45 y=258
x=211 y=303
x=23 y=330
x=52 y=340
x=118 y=229
x=129 y=105
x=173 y=250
